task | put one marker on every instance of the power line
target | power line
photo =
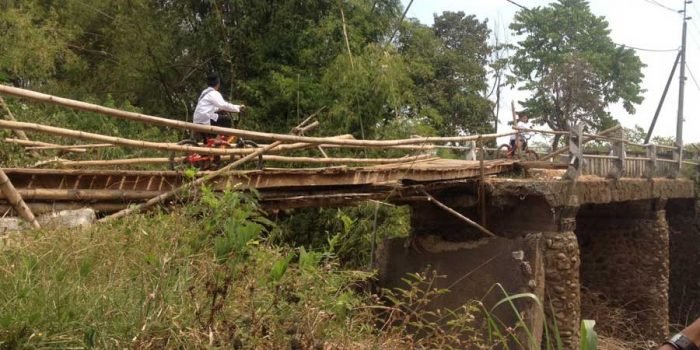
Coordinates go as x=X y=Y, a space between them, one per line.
x=697 y=31
x=696 y=26
x=622 y=45
x=654 y=2
x=518 y=5
x=692 y=76
x=649 y=50
x=695 y=7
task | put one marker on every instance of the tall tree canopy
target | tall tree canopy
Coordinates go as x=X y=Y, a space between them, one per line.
x=447 y=64
x=572 y=67
x=284 y=59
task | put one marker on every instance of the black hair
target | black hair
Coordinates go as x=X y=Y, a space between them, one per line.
x=213 y=80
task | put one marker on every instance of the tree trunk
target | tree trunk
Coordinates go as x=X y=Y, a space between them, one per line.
x=555 y=142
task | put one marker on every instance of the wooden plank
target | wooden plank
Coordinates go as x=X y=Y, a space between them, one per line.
x=274 y=178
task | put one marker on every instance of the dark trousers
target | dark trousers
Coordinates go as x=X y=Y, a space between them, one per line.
x=523 y=145
x=223 y=121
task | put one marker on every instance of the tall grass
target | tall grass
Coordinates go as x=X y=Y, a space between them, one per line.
x=206 y=276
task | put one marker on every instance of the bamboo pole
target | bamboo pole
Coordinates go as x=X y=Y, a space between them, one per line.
x=68 y=147
x=129 y=142
x=255 y=135
x=15 y=199
x=29 y=143
x=418 y=147
x=270 y=158
x=20 y=134
x=663 y=146
x=551 y=132
x=585 y=140
x=458 y=215
x=323 y=153
x=299 y=145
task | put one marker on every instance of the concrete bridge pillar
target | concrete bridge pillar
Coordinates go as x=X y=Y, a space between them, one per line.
x=684 y=285
x=625 y=261
x=595 y=242
x=525 y=214
x=527 y=224
x=562 y=288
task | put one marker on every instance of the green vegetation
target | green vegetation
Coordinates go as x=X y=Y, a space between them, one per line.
x=208 y=276
x=351 y=233
x=284 y=59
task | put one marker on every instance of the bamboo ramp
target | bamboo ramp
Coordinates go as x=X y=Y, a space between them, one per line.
x=108 y=188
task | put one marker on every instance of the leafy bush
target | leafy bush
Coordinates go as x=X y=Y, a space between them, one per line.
x=348 y=232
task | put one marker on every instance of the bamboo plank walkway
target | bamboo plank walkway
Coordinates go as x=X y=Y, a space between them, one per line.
x=288 y=188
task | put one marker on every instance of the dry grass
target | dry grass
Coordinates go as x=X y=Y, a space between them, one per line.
x=614 y=325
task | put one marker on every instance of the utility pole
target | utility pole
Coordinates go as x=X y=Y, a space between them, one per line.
x=663 y=98
x=681 y=89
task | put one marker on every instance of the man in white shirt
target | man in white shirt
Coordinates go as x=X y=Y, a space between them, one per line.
x=521 y=124
x=211 y=106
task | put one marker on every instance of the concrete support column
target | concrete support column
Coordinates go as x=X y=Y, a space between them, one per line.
x=624 y=252
x=530 y=214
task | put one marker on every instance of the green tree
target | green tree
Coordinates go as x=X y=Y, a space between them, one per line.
x=572 y=67
x=284 y=59
x=448 y=68
x=33 y=44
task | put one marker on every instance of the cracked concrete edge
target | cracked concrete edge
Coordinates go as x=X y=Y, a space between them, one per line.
x=592 y=191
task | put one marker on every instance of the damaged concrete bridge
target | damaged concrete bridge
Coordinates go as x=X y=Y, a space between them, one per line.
x=632 y=240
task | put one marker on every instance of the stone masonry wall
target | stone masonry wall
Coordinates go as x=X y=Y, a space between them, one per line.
x=624 y=258
x=562 y=287
x=684 y=288
x=607 y=237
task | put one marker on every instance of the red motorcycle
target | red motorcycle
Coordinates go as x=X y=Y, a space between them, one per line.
x=207 y=161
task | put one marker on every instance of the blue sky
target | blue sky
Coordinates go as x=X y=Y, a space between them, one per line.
x=637 y=23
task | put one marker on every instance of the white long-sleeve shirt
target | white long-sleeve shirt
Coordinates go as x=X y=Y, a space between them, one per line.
x=211 y=101
x=521 y=125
